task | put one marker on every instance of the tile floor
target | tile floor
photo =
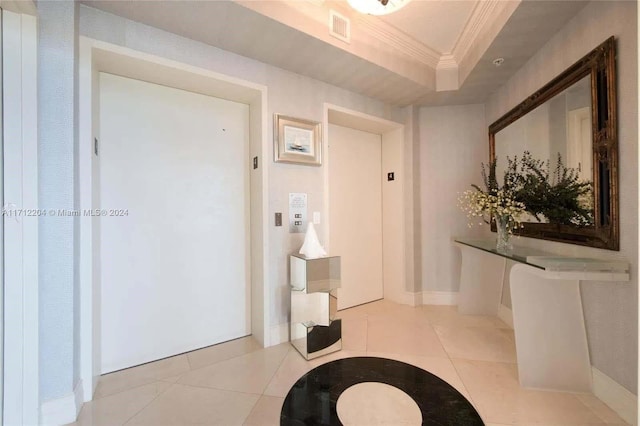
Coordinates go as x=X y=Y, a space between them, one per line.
x=239 y=383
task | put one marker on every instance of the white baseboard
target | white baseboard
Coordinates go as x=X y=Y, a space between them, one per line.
x=439 y=298
x=430 y=298
x=279 y=334
x=63 y=410
x=505 y=315
x=615 y=396
x=411 y=299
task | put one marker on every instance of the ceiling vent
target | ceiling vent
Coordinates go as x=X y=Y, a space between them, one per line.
x=339 y=26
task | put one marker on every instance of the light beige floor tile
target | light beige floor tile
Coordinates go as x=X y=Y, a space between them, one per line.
x=482 y=376
x=374 y=404
x=449 y=316
x=377 y=306
x=291 y=369
x=266 y=412
x=186 y=405
x=116 y=409
x=222 y=352
x=525 y=407
x=479 y=343
x=172 y=379
x=441 y=367
x=295 y=366
x=352 y=314
x=112 y=383
x=354 y=334
x=496 y=393
x=396 y=311
x=334 y=356
x=386 y=334
x=222 y=384
x=601 y=409
x=248 y=373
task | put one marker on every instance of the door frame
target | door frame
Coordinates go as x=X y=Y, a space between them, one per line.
x=394 y=242
x=97 y=56
x=21 y=404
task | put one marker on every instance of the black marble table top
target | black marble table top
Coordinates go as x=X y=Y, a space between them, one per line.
x=313 y=398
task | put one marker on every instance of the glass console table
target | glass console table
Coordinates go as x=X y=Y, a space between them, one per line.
x=548 y=321
x=314 y=329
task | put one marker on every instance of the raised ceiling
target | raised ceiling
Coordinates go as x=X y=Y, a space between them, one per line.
x=436 y=23
x=431 y=52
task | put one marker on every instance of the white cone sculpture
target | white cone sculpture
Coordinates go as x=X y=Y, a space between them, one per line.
x=311 y=246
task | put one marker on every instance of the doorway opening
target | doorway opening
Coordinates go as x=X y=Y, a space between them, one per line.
x=148 y=72
x=365 y=180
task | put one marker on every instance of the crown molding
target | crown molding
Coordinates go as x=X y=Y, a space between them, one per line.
x=447 y=76
x=398 y=40
x=482 y=14
x=486 y=17
x=484 y=24
x=449 y=70
x=447 y=62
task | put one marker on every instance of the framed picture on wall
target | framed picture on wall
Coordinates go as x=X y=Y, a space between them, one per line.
x=297 y=141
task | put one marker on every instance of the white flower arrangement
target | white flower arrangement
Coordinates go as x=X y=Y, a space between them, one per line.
x=487 y=206
x=496 y=202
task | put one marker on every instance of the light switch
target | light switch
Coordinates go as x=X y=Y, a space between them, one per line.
x=316 y=218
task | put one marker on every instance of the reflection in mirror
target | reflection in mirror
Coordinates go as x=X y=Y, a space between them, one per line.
x=558 y=133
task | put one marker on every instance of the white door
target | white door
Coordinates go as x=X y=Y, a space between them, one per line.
x=174 y=182
x=355 y=213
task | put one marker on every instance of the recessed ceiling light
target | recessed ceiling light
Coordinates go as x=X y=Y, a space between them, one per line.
x=498 y=61
x=377 y=7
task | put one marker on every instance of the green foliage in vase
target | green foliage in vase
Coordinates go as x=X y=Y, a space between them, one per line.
x=510 y=183
x=560 y=196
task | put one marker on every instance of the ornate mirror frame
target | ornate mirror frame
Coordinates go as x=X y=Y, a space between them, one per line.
x=600 y=64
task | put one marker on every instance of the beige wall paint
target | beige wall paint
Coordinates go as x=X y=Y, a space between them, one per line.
x=453 y=143
x=611 y=309
x=288 y=93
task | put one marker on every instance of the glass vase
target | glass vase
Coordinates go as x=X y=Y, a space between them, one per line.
x=502 y=225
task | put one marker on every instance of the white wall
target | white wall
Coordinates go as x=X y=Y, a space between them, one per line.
x=288 y=93
x=394 y=208
x=59 y=309
x=611 y=309
x=453 y=143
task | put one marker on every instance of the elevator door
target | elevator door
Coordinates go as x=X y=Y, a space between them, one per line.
x=355 y=213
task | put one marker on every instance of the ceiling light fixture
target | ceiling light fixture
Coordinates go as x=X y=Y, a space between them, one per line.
x=377 y=7
x=498 y=61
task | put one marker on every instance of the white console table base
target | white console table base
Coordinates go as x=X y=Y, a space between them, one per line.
x=481 y=280
x=551 y=340
x=548 y=321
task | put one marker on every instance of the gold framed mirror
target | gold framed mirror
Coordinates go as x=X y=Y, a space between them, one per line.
x=570 y=124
